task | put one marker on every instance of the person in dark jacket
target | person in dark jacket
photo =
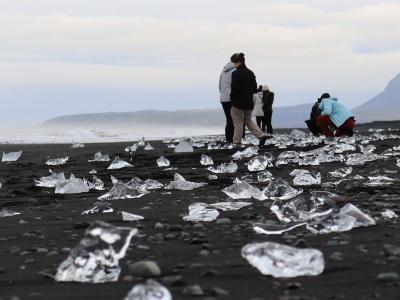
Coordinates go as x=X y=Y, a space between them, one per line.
x=315 y=112
x=244 y=86
x=268 y=100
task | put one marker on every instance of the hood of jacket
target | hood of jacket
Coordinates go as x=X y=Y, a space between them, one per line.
x=229 y=67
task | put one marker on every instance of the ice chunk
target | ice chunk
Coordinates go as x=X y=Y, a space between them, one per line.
x=163 y=162
x=307 y=179
x=132 y=148
x=360 y=158
x=342 y=147
x=283 y=261
x=367 y=149
x=198 y=212
x=141 y=142
x=148 y=147
x=76 y=145
x=180 y=183
x=11 y=156
x=389 y=214
x=212 y=177
x=363 y=220
x=328 y=198
x=332 y=223
x=280 y=189
x=151 y=290
x=99 y=207
x=183 y=147
x=51 y=180
x=228 y=206
x=297 y=133
x=130 y=217
x=99 y=157
x=119 y=164
x=264 y=176
x=57 y=161
x=296 y=172
x=98 y=184
x=224 y=168
x=152 y=184
x=342 y=172
x=1 y=185
x=92 y=171
x=243 y=190
x=379 y=181
x=273 y=229
x=358 y=177
x=206 y=160
x=121 y=190
x=259 y=163
x=6 y=212
x=247 y=153
x=72 y=186
x=299 y=209
x=96 y=258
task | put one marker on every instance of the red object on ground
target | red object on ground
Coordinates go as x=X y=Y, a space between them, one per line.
x=325 y=124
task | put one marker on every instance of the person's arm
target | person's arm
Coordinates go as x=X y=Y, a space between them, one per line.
x=326 y=108
x=255 y=86
x=219 y=83
x=234 y=84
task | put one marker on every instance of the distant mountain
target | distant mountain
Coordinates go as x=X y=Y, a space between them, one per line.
x=383 y=107
x=284 y=117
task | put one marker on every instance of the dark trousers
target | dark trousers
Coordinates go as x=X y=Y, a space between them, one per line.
x=326 y=125
x=229 y=128
x=268 y=121
x=261 y=123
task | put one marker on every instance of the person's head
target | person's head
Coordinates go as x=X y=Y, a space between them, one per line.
x=240 y=59
x=324 y=96
x=233 y=58
x=260 y=88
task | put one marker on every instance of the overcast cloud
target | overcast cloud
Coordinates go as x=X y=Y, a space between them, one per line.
x=64 y=57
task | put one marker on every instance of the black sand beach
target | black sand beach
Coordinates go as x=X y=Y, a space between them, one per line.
x=34 y=243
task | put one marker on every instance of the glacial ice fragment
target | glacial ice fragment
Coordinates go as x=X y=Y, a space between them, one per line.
x=259 y=163
x=98 y=184
x=198 y=212
x=389 y=214
x=379 y=181
x=141 y=142
x=11 y=156
x=163 y=162
x=247 y=153
x=99 y=157
x=148 y=147
x=274 y=229
x=229 y=206
x=151 y=290
x=264 y=176
x=119 y=164
x=51 y=180
x=92 y=171
x=342 y=172
x=127 y=217
x=224 y=168
x=283 y=261
x=99 y=207
x=72 y=186
x=363 y=220
x=180 y=183
x=131 y=148
x=297 y=133
x=76 y=145
x=212 y=177
x=206 y=160
x=243 y=190
x=280 y=189
x=96 y=258
x=121 y=190
x=6 y=212
x=183 y=147
x=299 y=209
x=307 y=179
x=152 y=184
x=57 y=161
x=357 y=159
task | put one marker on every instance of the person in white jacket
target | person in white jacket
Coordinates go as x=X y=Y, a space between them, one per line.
x=225 y=82
x=258 y=111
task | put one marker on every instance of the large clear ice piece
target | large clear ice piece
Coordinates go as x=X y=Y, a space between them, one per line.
x=128 y=217
x=282 y=261
x=99 y=157
x=132 y=148
x=6 y=212
x=230 y=206
x=299 y=209
x=279 y=189
x=224 y=168
x=307 y=179
x=362 y=219
x=180 y=183
x=72 y=186
x=163 y=162
x=264 y=176
x=152 y=184
x=57 y=161
x=342 y=172
x=206 y=160
x=198 y=212
x=151 y=290
x=357 y=159
x=96 y=258
x=11 y=156
x=243 y=190
x=51 y=180
x=121 y=190
x=98 y=184
x=274 y=229
x=183 y=147
x=247 y=153
x=119 y=164
x=259 y=163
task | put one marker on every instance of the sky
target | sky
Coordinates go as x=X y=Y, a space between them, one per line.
x=73 y=56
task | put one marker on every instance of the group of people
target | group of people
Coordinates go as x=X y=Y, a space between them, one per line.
x=243 y=101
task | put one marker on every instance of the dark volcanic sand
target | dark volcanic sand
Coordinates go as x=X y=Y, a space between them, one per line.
x=54 y=222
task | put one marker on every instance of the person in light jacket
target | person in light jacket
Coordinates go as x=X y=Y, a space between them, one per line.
x=335 y=118
x=258 y=111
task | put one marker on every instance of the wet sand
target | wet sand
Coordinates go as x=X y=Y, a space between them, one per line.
x=34 y=243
